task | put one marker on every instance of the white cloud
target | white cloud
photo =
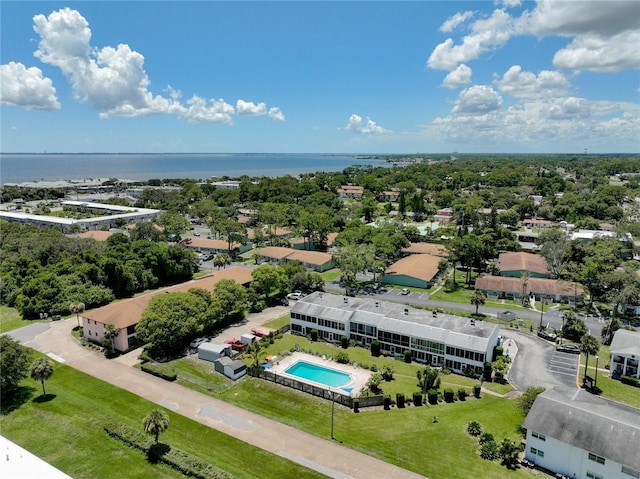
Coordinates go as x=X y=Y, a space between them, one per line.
x=358 y=125
x=487 y=34
x=452 y=22
x=477 y=100
x=213 y=111
x=114 y=81
x=605 y=34
x=27 y=88
x=276 y=114
x=250 y=108
x=519 y=84
x=509 y=3
x=459 y=77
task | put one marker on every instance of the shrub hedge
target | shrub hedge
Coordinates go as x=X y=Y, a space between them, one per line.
x=417 y=398
x=630 y=381
x=448 y=395
x=159 y=372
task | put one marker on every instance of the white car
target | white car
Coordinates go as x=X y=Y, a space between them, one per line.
x=405 y=291
x=295 y=296
x=197 y=342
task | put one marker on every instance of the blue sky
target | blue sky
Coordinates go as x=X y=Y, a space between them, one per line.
x=337 y=77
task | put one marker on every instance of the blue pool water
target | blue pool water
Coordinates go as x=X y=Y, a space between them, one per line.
x=319 y=374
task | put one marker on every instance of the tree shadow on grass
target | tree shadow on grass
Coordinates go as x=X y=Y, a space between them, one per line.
x=156 y=451
x=46 y=398
x=16 y=397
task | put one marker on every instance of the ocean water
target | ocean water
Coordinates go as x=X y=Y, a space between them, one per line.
x=20 y=168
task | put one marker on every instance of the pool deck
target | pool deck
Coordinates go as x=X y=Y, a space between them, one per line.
x=359 y=376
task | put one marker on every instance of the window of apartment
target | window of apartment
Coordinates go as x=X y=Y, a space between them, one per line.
x=596 y=458
x=631 y=472
x=593 y=475
x=533 y=450
x=542 y=437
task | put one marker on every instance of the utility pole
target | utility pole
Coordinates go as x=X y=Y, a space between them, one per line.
x=541 y=312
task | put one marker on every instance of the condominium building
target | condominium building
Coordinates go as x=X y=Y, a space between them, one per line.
x=457 y=343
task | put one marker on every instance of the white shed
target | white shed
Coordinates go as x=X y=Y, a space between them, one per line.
x=247 y=338
x=213 y=351
x=232 y=368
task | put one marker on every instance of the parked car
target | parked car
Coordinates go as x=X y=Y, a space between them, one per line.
x=197 y=342
x=295 y=295
x=547 y=336
x=568 y=348
x=405 y=291
x=236 y=344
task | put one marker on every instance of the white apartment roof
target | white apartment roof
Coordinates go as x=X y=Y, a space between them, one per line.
x=18 y=463
x=626 y=342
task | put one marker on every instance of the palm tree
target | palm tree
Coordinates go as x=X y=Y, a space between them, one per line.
x=77 y=308
x=155 y=423
x=525 y=280
x=477 y=299
x=255 y=351
x=41 y=370
x=588 y=345
x=108 y=337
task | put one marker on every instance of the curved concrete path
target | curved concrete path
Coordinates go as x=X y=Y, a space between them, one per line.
x=322 y=455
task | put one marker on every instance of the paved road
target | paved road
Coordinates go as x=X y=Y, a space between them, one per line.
x=323 y=455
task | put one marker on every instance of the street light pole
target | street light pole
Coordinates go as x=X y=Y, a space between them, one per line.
x=595 y=382
x=541 y=312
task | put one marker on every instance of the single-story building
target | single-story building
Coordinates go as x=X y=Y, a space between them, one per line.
x=213 y=351
x=232 y=368
x=216 y=246
x=416 y=270
x=514 y=264
x=625 y=353
x=585 y=437
x=439 y=339
x=126 y=314
x=305 y=244
x=444 y=215
x=551 y=290
x=350 y=191
x=314 y=260
x=532 y=223
x=426 y=248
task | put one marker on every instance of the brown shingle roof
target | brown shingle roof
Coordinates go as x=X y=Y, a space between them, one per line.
x=128 y=312
x=308 y=257
x=426 y=248
x=545 y=286
x=275 y=252
x=96 y=235
x=522 y=262
x=199 y=242
x=421 y=266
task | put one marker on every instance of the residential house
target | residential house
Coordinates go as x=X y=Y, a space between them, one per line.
x=444 y=215
x=416 y=270
x=549 y=290
x=302 y=243
x=584 y=437
x=426 y=248
x=126 y=314
x=535 y=223
x=515 y=264
x=625 y=354
x=460 y=344
x=350 y=192
x=391 y=195
x=314 y=260
x=216 y=246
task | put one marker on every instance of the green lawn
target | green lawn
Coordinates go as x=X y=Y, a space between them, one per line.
x=278 y=322
x=11 y=319
x=610 y=388
x=66 y=431
x=331 y=275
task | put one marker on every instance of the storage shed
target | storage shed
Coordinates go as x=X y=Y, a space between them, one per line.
x=213 y=351
x=232 y=368
x=247 y=338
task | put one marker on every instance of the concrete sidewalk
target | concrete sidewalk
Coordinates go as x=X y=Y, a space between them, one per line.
x=322 y=455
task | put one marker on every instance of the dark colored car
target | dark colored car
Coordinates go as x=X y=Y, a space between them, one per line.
x=568 y=348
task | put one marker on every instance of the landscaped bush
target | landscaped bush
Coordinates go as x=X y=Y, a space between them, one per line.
x=159 y=372
x=374 y=383
x=314 y=335
x=407 y=356
x=387 y=372
x=344 y=342
x=462 y=394
x=487 y=372
x=387 y=402
x=342 y=357
x=486 y=437
x=176 y=459
x=489 y=451
x=417 y=398
x=474 y=428
x=375 y=348
x=400 y=400
x=448 y=395
x=356 y=405
x=630 y=381
x=432 y=396
x=476 y=391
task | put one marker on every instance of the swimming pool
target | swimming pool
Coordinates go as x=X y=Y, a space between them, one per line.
x=319 y=374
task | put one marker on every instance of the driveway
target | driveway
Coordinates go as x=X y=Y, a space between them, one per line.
x=323 y=455
x=538 y=364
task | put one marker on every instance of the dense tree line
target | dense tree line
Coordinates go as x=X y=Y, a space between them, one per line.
x=44 y=271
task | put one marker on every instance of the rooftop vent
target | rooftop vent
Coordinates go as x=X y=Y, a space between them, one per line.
x=320 y=294
x=345 y=299
x=406 y=310
x=435 y=314
x=377 y=304
x=473 y=322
